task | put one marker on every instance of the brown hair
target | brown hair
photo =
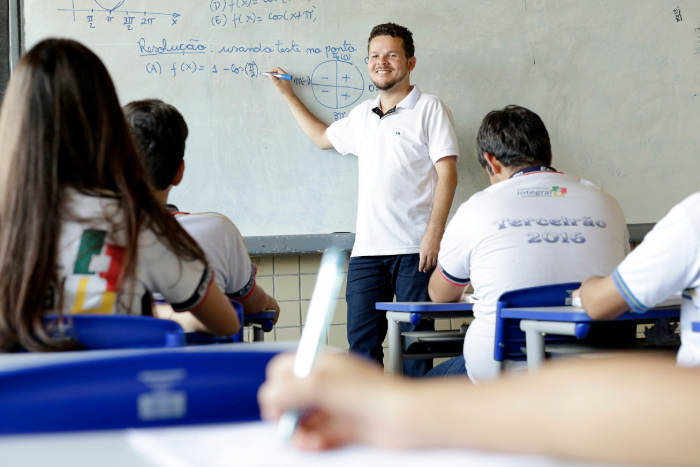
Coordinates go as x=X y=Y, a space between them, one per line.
x=394 y=30
x=61 y=127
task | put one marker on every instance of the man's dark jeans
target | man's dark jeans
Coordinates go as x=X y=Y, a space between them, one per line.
x=373 y=279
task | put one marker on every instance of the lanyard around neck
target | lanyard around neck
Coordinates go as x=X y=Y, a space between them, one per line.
x=534 y=169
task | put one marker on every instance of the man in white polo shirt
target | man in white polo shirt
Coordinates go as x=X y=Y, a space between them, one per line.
x=667 y=262
x=533 y=226
x=160 y=132
x=407 y=154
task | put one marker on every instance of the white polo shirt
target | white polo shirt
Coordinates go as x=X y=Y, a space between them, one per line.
x=668 y=262
x=397 y=178
x=225 y=250
x=537 y=229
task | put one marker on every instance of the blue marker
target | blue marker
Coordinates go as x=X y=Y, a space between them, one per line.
x=278 y=75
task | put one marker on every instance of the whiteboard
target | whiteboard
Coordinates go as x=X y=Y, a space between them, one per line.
x=617 y=83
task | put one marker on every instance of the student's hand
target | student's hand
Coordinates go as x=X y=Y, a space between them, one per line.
x=350 y=398
x=282 y=85
x=272 y=305
x=429 y=248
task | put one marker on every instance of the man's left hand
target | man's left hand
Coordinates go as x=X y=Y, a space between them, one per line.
x=429 y=248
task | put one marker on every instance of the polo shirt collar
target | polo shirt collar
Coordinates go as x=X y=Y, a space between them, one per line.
x=408 y=102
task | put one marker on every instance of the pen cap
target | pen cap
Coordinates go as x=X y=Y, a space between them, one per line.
x=321 y=310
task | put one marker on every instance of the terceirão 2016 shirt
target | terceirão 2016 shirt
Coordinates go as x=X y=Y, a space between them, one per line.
x=537 y=229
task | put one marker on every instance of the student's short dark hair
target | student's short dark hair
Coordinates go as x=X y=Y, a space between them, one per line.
x=159 y=132
x=515 y=136
x=394 y=30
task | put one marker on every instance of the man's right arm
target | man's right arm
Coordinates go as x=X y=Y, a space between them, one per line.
x=314 y=128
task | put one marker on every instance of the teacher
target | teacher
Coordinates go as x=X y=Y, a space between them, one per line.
x=407 y=159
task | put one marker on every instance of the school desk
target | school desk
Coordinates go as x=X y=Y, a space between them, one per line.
x=414 y=312
x=535 y=322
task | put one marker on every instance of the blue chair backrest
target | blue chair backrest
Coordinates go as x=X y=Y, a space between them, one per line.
x=509 y=338
x=98 y=332
x=157 y=388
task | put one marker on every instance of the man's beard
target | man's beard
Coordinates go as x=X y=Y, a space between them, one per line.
x=390 y=84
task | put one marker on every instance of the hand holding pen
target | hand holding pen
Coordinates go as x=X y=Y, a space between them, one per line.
x=281 y=79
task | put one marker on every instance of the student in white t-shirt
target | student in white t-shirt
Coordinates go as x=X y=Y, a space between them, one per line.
x=665 y=263
x=81 y=231
x=160 y=133
x=533 y=226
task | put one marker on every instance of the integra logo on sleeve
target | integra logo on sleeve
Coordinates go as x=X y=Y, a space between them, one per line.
x=556 y=191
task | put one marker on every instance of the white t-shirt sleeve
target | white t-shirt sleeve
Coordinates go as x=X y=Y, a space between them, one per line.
x=342 y=135
x=225 y=250
x=241 y=271
x=442 y=140
x=183 y=284
x=454 y=258
x=665 y=263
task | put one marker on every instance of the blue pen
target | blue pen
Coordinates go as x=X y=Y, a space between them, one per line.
x=321 y=309
x=278 y=75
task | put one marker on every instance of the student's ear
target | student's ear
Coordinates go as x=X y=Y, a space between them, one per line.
x=179 y=174
x=411 y=63
x=493 y=163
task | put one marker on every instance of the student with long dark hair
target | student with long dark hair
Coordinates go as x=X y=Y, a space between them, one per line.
x=80 y=229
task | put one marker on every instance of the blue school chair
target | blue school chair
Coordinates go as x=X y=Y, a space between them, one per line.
x=561 y=330
x=99 y=332
x=510 y=340
x=132 y=389
x=261 y=323
x=696 y=327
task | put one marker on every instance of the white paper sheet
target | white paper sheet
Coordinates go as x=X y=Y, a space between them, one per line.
x=256 y=444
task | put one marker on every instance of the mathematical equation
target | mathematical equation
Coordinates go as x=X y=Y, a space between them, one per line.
x=254 y=12
x=231 y=5
x=241 y=19
x=191 y=67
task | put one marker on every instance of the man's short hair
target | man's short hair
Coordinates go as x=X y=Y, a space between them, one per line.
x=159 y=132
x=394 y=30
x=515 y=136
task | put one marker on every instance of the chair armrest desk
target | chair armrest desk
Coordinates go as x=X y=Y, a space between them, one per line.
x=414 y=312
x=567 y=321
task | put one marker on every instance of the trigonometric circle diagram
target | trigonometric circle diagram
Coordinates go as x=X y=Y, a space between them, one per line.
x=337 y=84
